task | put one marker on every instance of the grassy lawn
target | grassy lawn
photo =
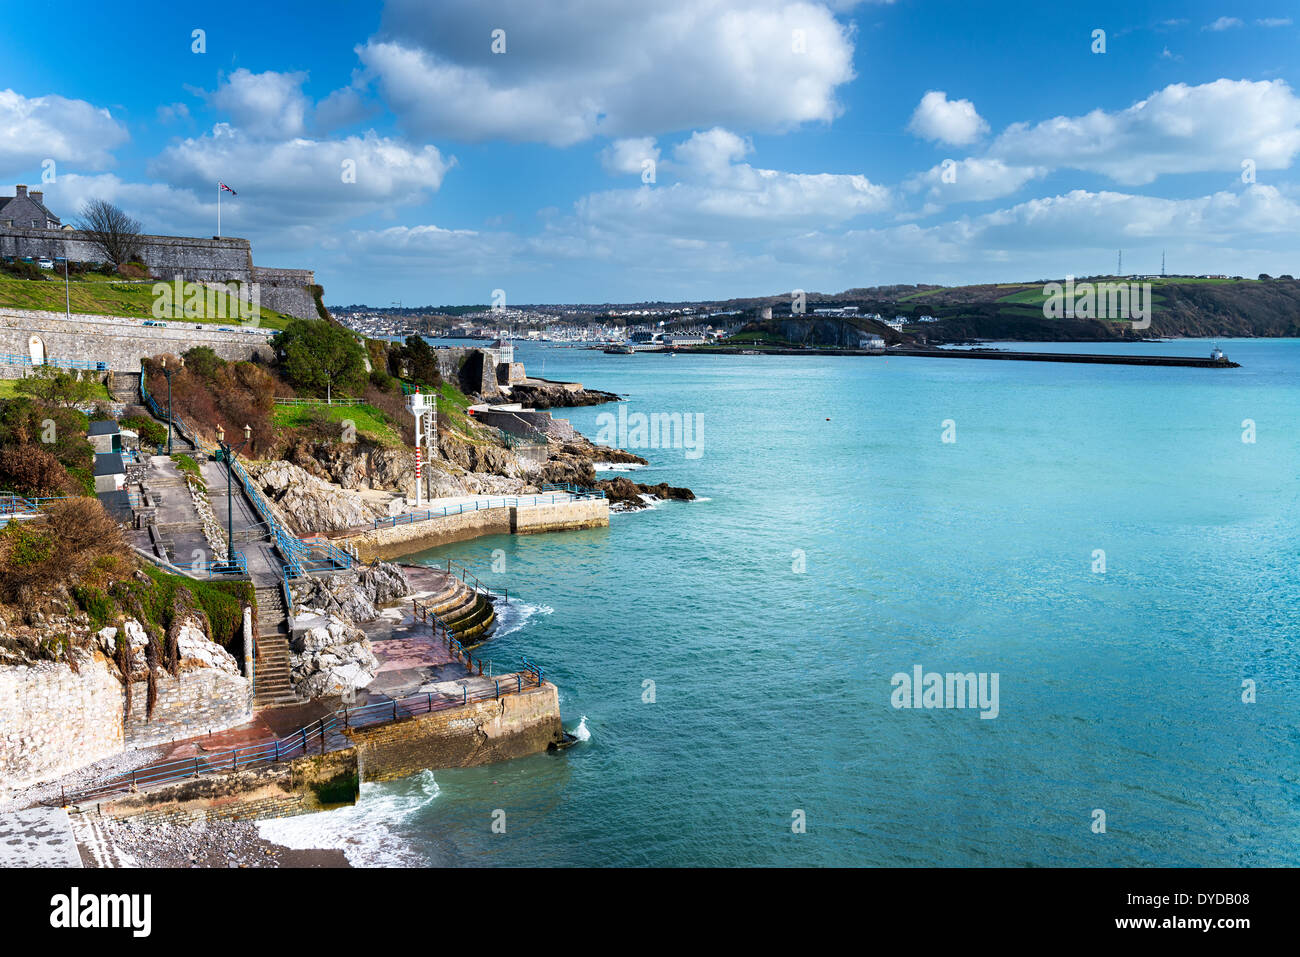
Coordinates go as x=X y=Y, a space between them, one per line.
x=99 y=295
x=9 y=390
x=1036 y=297
x=370 y=423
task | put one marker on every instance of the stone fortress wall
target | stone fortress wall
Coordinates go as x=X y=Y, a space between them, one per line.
x=192 y=259
x=118 y=342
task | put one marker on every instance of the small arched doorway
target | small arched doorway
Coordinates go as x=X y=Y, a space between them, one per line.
x=37 y=347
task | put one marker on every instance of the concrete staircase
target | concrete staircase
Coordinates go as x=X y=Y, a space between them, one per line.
x=272 y=685
x=124 y=387
x=468 y=613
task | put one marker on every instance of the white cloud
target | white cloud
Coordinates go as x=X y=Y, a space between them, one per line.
x=303 y=180
x=161 y=209
x=265 y=104
x=172 y=112
x=711 y=152
x=33 y=129
x=629 y=155
x=947 y=121
x=1180 y=129
x=1274 y=22
x=1223 y=23
x=718 y=197
x=627 y=69
x=971 y=180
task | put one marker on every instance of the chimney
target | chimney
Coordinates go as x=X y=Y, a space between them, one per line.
x=38 y=197
x=20 y=192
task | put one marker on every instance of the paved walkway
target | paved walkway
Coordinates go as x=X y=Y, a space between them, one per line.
x=37 y=837
x=264 y=565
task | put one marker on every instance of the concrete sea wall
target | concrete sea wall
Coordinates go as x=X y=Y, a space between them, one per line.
x=300 y=786
x=391 y=542
x=481 y=732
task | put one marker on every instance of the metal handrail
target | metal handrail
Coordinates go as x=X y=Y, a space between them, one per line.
x=299 y=743
x=479 y=505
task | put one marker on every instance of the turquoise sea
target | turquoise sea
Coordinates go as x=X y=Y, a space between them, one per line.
x=838 y=541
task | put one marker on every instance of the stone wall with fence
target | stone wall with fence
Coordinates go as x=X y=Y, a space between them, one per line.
x=119 y=343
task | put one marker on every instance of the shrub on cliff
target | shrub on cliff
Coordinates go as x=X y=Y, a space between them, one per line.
x=209 y=393
x=30 y=470
x=150 y=432
x=59 y=431
x=321 y=357
x=54 y=386
x=76 y=543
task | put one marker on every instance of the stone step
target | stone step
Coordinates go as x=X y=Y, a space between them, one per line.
x=272 y=682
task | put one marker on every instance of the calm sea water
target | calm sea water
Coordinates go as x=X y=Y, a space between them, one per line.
x=1119 y=691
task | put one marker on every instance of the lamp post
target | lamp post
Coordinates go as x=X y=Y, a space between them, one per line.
x=168 y=373
x=67 y=289
x=227 y=453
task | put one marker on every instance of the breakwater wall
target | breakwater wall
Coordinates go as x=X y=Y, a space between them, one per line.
x=481 y=732
x=397 y=540
x=118 y=343
x=1087 y=358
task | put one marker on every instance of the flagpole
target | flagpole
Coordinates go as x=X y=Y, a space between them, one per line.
x=218 y=210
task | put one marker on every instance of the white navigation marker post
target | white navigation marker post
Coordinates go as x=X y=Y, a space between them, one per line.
x=424 y=406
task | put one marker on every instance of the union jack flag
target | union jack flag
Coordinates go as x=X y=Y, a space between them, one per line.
x=228 y=189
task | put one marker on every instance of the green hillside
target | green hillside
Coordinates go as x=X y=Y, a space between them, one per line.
x=99 y=295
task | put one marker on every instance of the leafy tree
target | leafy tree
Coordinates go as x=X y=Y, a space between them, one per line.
x=320 y=356
x=203 y=361
x=55 y=386
x=112 y=230
x=419 y=360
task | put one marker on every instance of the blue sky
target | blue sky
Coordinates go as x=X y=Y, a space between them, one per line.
x=810 y=145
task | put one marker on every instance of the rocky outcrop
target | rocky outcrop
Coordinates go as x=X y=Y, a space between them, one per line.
x=352 y=596
x=195 y=649
x=625 y=495
x=384 y=582
x=555 y=395
x=357 y=464
x=328 y=654
x=329 y=657
x=308 y=504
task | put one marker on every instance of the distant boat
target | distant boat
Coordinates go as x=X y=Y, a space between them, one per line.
x=619 y=350
x=1217 y=354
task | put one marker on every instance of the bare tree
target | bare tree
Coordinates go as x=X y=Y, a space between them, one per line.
x=112 y=230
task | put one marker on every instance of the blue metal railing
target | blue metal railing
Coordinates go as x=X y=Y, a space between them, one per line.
x=11 y=503
x=478 y=505
x=300 y=557
x=577 y=491
x=307 y=740
x=21 y=360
